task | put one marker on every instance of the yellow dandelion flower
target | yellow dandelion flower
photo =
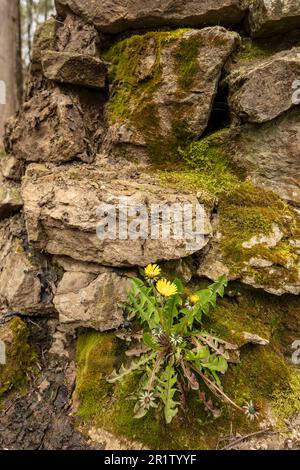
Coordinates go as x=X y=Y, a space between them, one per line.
x=194 y=299
x=152 y=271
x=166 y=288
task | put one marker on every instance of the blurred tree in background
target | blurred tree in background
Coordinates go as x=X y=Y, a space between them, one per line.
x=19 y=20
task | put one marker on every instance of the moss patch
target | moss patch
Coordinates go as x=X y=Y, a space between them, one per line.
x=134 y=87
x=205 y=166
x=247 y=213
x=252 y=51
x=21 y=359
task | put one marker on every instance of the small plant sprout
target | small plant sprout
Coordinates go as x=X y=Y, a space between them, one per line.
x=177 y=355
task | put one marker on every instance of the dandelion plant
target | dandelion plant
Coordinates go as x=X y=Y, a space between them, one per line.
x=177 y=354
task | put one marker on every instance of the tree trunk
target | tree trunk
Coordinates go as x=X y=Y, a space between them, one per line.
x=10 y=61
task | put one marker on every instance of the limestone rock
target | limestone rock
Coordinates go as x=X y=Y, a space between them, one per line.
x=84 y=299
x=10 y=198
x=255 y=242
x=269 y=17
x=163 y=88
x=115 y=16
x=56 y=126
x=270 y=154
x=62 y=216
x=76 y=69
x=25 y=279
x=11 y=168
x=263 y=90
x=74 y=35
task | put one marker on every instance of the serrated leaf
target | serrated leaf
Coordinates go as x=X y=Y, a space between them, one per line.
x=133 y=367
x=167 y=391
x=142 y=303
x=190 y=376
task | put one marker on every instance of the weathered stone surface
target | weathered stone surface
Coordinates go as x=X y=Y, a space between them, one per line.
x=270 y=17
x=115 y=16
x=56 y=126
x=163 y=89
x=71 y=36
x=61 y=217
x=73 y=68
x=89 y=300
x=263 y=90
x=25 y=279
x=11 y=168
x=271 y=154
x=74 y=35
x=10 y=198
x=256 y=241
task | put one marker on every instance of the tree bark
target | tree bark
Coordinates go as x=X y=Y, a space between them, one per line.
x=10 y=61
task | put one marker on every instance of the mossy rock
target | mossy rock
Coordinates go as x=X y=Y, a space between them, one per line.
x=20 y=357
x=262 y=376
x=154 y=106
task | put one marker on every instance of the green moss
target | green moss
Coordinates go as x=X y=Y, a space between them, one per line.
x=111 y=407
x=132 y=98
x=21 y=359
x=95 y=357
x=253 y=51
x=286 y=400
x=261 y=376
x=205 y=165
x=250 y=212
x=186 y=55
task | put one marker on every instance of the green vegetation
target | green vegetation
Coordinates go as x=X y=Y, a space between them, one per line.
x=176 y=354
x=250 y=212
x=186 y=55
x=21 y=359
x=135 y=83
x=262 y=374
x=253 y=51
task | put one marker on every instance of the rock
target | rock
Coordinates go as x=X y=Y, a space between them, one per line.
x=163 y=88
x=77 y=69
x=25 y=279
x=115 y=16
x=59 y=344
x=10 y=198
x=255 y=243
x=11 y=168
x=275 y=77
x=44 y=39
x=74 y=35
x=63 y=209
x=255 y=339
x=269 y=18
x=269 y=154
x=270 y=240
x=91 y=301
x=56 y=126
